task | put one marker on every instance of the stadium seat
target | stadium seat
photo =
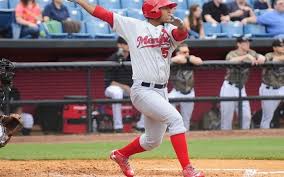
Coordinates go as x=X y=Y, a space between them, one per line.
x=4 y=4
x=232 y=29
x=6 y=18
x=135 y=4
x=135 y=13
x=181 y=13
x=75 y=13
x=110 y=4
x=69 y=4
x=86 y=16
x=255 y=30
x=182 y=4
x=13 y=3
x=213 y=30
x=43 y=3
x=83 y=33
x=120 y=11
x=192 y=2
x=99 y=29
x=54 y=30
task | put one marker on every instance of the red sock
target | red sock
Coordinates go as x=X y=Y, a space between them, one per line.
x=180 y=146
x=133 y=148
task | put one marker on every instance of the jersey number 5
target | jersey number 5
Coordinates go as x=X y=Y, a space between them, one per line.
x=165 y=52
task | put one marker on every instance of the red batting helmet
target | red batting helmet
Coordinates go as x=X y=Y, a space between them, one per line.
x=151 y=8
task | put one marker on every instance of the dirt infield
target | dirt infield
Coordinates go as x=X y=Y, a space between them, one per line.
x=129 y=136
x=143 y=168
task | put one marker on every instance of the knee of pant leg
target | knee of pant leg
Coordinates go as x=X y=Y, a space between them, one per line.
x=114 y=92
x=118 y=95
x=149 y=144
x=176 y=125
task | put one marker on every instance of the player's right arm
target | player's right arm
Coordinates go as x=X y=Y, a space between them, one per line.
x=234 y=58
x=96 y=11
x=123 y=26
x=180 y=59
x=88 y=7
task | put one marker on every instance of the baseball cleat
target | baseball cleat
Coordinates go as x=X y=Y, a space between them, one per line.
x=123 y=163
x=189 y=171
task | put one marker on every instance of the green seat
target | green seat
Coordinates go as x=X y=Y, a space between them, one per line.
x=54 y=29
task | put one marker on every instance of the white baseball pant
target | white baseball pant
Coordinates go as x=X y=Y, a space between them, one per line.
x=186 y=108
x=269 y=106
x=228 y=108
x=115 y=92
x=159 y=114
x=141 y=122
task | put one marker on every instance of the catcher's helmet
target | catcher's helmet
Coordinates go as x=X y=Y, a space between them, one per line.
x=151 y=8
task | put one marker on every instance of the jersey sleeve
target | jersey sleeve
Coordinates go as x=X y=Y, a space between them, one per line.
x=124 y=26
x=46 y=11
x=176 y=42
x=268 y=57
x=253 y=53
x=230 y=55
x=19 y=11
x=264 y=19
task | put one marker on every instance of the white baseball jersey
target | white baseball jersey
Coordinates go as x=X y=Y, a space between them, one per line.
x=150 y=48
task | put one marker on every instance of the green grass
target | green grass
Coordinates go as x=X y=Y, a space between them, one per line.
x=244 y=148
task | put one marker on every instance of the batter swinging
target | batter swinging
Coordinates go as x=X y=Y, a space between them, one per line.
x=151 y=44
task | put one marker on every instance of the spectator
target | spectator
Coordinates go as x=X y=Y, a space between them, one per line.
x=239 y=10
x=273 y=20
x=272 y=83
x=215 y=12
x=27 y=120
x=211 y=119
x=119 y=80
x=236 y=79
x=28 y=15
x=182 y=77
x=194 y=21
x=59 y=12
x=262 y=4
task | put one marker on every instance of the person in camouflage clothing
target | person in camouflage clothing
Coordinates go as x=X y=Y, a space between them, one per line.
x=272 y=83
x=236 y=79
x=183 y=82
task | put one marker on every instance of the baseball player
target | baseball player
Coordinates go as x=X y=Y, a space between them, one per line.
x=231 y=85
x=182 y=77
x=118 y=81
x=272 y=83
x=151 y=44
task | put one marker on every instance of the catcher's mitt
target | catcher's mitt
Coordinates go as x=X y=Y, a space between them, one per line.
x=9 y=125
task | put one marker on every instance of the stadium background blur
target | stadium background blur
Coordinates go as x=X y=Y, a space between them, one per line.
x=96 y=44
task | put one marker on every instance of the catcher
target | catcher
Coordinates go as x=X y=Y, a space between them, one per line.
x=9 y=125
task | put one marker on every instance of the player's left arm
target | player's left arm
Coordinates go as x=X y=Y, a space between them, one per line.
x=180 y=59
x=181 y=32
x=260 y=59
x=195 y=60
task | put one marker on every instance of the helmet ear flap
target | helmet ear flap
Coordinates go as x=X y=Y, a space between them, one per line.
x=155 y=15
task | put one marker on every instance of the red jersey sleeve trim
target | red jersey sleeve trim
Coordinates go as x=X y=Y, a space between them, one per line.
x=179 y=35
x=103 y=14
